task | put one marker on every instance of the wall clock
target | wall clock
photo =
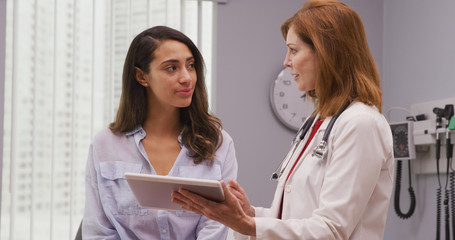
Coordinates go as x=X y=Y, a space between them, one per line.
x=290 y=105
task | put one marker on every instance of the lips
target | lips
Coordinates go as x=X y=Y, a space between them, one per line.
x=296 y=76
x=185 y=92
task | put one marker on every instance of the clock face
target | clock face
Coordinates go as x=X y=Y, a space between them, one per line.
x=290 y=105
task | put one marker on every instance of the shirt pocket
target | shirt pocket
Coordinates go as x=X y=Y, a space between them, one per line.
x=187 y=214
x=201 y=172
x=115 y=191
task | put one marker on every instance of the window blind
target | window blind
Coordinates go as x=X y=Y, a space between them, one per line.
x=63 y=67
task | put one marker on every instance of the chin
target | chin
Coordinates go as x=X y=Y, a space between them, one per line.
x=305 y=88
x=302 y=88
x=184 y=105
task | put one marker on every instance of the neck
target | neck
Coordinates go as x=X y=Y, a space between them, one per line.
x=163 y=122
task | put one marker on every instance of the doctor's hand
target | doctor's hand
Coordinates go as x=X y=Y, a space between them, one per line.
x=240 y=194
x=229 y=212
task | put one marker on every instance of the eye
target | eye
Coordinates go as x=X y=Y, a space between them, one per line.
x=292 y=50
x=190 y=65
x=170 y=68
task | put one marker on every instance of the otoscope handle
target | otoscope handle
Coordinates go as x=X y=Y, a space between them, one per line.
x=438 y=147
x=449 y=148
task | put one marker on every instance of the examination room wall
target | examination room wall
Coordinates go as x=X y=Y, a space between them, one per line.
x=419 y=66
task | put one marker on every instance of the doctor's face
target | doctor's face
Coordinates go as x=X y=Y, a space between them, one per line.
x=300 y=58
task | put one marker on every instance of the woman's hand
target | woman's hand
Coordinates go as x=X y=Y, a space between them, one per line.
x=240 y=194
x=229 y=212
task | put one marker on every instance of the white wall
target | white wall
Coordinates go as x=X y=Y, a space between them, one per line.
x=419 y=66
x=250 y=50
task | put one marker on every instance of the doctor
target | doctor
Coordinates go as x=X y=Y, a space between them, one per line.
x=345 y=194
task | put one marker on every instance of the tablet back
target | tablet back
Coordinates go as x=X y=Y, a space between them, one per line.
x=154 y=191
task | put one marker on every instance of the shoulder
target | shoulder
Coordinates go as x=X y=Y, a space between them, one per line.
x=361 y=121
x=225 y=135
x=360 y=115
x=227 y=140
x=363 y=127
x=227 y=144
x=107 y=137
x=225 y=156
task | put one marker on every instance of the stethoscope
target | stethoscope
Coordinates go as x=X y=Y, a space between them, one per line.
x=320 y=151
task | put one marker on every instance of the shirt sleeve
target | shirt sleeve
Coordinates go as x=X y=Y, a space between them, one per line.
x=360 y=151
x=262 y=212
x=229 y=165
x=95 y=224
x=209 y=229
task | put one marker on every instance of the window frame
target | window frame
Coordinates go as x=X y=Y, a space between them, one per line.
x=2 y=83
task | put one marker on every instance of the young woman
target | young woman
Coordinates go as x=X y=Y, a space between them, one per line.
x=339 y=188
x=162 y=127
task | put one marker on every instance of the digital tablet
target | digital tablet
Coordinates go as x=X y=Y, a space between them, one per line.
x=154 y=191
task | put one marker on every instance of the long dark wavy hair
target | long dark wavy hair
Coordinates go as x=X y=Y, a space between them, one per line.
x=202 y=131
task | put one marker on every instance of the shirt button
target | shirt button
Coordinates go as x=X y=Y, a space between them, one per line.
x=164 y=230
x=288 y=188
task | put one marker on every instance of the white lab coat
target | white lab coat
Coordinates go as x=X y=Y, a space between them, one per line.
x=345 y=196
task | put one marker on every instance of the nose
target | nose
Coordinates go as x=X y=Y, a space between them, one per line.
x=185 y=76
x=287 y=61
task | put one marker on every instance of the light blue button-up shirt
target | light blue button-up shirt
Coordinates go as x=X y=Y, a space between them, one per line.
x=111 y=210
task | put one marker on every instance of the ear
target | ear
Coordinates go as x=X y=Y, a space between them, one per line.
x=141 y=77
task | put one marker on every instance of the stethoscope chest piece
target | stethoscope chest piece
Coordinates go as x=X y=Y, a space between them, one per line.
x=320 y=150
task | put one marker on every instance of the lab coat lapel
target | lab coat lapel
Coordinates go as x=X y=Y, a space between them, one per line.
x=314 y=142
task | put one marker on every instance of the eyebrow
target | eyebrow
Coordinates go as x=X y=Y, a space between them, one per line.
x=176 y=61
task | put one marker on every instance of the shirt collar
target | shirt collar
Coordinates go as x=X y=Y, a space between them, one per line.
x=134 y=131
x=140 y=130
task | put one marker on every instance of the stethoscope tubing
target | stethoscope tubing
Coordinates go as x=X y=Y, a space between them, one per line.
x=319 y=151
x=297 y=139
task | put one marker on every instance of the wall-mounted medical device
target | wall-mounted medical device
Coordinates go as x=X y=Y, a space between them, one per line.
x=403 y=149
x=425 y=133
x=425 y=137
x=403 y=140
